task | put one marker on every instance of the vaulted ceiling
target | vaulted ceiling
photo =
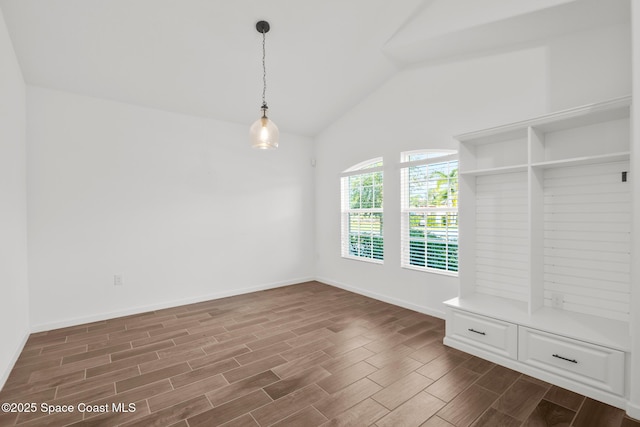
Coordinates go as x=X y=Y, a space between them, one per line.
x=203 y=57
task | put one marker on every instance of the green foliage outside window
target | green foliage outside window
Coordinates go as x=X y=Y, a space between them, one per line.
x=365 y=191
x=365 y=226
x=437 y=189
x=366 y=245
x=433 y=252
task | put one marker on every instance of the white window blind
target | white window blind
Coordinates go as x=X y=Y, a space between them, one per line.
x=429 y=211
x=362 y=213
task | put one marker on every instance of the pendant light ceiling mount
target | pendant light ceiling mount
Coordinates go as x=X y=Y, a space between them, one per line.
x=263 y=27
x=264 y=133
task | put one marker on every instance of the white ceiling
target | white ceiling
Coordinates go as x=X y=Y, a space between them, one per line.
x=203 y=57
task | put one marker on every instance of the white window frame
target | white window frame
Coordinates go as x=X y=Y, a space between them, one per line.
x=441 y=156
x=361 y=169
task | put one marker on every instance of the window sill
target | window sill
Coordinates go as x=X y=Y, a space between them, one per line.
x=363 y=259
x=431 y=270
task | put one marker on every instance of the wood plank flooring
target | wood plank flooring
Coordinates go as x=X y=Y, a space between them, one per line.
x=302 y=355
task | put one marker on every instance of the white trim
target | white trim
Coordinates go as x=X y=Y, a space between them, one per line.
x=616 y=107
x=364 y=165
x=633 y=410
x=14 y=359
x=365 y=171
x=364 y=210
x=364 y=259
x=433 y=160
x=445 y=209
x=384 y=298
x=143 y=309
x=168 y=304
x=431 y=270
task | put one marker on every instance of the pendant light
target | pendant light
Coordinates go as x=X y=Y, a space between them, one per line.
x=264 y=133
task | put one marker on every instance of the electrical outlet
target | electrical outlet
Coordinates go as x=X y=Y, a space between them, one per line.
x=117 y=280
x=557 y=300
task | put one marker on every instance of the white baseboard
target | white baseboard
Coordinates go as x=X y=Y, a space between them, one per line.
x=175 y=303
x=5 y=375
x=391 y=300
x=633 y=410
x=159 y=306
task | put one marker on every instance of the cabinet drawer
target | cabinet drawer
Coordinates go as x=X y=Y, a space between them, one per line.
x=484 y=332
x=597 y=366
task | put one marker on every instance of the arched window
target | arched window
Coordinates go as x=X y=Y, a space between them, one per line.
x=429 y=211
x=362 y=217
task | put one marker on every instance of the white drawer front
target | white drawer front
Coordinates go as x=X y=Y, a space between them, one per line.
x=491 y=334
x=590 y=364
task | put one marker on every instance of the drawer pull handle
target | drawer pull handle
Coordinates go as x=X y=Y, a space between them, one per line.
x=564 y=358
x=477 y=332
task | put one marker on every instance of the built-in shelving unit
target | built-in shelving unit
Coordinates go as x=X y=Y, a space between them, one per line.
x=545 y=242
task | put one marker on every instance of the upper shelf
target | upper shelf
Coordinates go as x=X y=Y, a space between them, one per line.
x=617 y=108
x=586 y=160
x=496 y=170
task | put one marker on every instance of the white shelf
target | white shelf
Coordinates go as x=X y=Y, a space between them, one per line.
x=491 y=306
x=495 y=171
x=617 y=108
x=586 y=160
x=550 y=164
x=509 y=170
x=585 y=115
x=493 y=135
x=531 y=196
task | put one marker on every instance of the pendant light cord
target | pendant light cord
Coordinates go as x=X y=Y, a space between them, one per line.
x=264 y=72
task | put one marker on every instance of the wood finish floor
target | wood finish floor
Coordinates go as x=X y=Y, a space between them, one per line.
x=302 y=355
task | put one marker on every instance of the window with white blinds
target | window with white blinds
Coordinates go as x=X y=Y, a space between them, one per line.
x=362 y=216
x=429 y=211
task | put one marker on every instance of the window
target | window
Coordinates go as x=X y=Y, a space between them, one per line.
x=362 y=223
x=429 y=213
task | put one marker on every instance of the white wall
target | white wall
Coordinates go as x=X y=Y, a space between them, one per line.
x=180 y=206
x=423 y=107
x=14 y=292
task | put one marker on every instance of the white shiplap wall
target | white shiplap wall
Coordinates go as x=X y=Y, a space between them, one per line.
x=587 y=220
x=502 y=235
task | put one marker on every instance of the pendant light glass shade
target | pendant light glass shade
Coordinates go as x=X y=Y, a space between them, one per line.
x=264 y=133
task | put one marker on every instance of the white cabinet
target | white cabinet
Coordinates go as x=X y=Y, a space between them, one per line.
x=593 y=365
x=545 y=217
x=492 y=334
